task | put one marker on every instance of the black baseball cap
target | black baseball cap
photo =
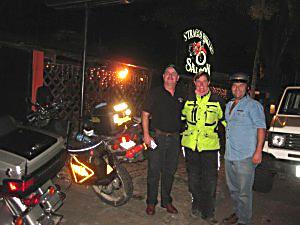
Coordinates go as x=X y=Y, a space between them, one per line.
x=171 y=66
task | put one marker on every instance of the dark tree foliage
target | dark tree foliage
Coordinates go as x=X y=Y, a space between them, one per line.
x=259 y=37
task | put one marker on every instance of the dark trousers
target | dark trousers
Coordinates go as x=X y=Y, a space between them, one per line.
x=202 y=169
x=162 y=165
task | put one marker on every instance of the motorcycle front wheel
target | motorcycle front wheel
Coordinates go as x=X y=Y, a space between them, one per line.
x=119 y=191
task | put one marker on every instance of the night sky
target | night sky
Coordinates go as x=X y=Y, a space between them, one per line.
x=147 y=33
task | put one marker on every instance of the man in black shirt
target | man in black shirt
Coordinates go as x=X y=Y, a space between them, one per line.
x=163 y=105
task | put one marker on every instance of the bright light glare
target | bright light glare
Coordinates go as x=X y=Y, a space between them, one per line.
x=120 y=107
x=272 y=109
x=123 y=73
x=278 y=140
x=80 y=170
x=298 y=171
x=127 y=112
x=12 y=186
x=116 y=118
x=128 y=145
x=109 y=169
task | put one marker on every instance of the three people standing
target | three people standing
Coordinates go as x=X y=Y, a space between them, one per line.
x=203 y=111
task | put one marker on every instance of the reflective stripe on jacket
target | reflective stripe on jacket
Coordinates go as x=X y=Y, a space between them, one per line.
x=202 y=115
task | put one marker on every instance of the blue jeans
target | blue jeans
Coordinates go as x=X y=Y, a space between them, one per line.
x=162 y=165
x=240 y=178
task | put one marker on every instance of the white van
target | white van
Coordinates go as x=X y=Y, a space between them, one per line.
x=282 y=147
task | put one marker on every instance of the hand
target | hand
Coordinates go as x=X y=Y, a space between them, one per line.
x=147 y=139
x=257 y=157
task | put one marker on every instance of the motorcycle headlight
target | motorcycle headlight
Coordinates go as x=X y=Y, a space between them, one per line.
x=120 y=107
x=278 y=140
x=116 y=118
x=120 y=120
x=122 y=113
x=127 y=112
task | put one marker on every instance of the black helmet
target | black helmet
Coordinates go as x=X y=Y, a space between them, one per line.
x=239 y=78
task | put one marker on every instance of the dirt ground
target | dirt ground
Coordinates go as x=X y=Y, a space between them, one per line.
x=279 y=207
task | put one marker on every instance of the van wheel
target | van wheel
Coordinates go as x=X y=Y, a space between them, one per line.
x=263 y=181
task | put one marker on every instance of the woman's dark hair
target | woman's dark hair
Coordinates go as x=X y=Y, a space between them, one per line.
x=198 y=75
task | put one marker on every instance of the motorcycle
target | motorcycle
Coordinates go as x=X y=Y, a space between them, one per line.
x=43 y=114
x=46 y=116
x=95 y=159
x=110 y=136
x=29 y=159
x=116 y=121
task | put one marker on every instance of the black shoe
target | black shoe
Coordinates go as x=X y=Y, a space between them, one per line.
x=232 y=219
x=195 y=213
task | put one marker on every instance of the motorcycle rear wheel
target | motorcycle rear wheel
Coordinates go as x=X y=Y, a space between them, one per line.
x=119 y=191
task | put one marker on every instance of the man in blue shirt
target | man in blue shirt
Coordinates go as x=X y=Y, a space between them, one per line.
x=245 y=134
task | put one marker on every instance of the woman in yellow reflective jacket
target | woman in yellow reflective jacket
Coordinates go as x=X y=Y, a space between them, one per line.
x=203 y=111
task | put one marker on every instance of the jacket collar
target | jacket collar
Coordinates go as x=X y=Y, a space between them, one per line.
x=246 y=97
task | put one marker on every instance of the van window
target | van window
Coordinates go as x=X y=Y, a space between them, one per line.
x=290 y=103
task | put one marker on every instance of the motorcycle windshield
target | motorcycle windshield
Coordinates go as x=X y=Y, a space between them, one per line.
x=26 y=143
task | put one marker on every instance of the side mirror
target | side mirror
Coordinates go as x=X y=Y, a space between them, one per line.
x=272 y=109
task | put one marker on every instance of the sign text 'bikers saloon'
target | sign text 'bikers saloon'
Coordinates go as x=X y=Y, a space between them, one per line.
x=197 y=43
